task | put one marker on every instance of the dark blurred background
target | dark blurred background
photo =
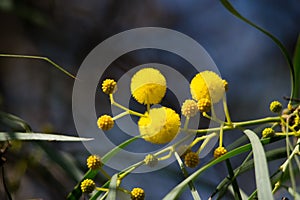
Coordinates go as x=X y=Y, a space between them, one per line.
x=66 y=31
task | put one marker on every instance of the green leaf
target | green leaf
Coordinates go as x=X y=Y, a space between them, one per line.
x=112 y=194
x=247 y=165
x=296 y=60
x=178 y=189
x=292 y=192
x=4 y=136
x=14 y=122
x=115 y=150
x=76 y=193
x=263 y=183
x=284 y=51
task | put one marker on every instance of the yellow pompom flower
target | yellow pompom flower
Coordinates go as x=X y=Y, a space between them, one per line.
x=137 y=194
x=94 y=162
x=87 y=186
x=204 y=105
x=148 y=86
x=189 y=108
x=160 y=126
x=220 y=151
x=105 y=122
x=191 y=159
x=207 y=85
x=109 y=86
x=275 y=106
x=268 y=132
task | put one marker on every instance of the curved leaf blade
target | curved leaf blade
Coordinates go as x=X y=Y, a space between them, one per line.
x=178 y=189
x=296 y=60
x=284 y=51
x=112 y=194
x=4 y=136
x=263 y=184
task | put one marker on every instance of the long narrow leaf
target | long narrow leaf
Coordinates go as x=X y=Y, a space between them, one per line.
x=233 y=11
x=296 y=94
x=4 y=136
x=14 y=122
x=247 y=165
x=263 y=184
x=115 y=150
x=178 y=189
x=112 y=194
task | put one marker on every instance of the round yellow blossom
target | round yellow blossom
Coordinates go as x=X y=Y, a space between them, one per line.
x=87 y=186
x=105 y=122
x=151 y=160
x=191 y=159
x=268 y=132
x=189 y=108
x=137 y=194
x=225 y=84
x=109 y=86
x=148 y=86
x=160 y=126
x=94 y=162
x=204 y=105
x=220 y=151
x=207 y=85
x=276 y=106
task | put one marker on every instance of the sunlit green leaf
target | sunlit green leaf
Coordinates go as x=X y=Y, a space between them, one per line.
x=174 y=193
x=284 y=51
x=4 y=136
x=112 y=194
x=263 y=183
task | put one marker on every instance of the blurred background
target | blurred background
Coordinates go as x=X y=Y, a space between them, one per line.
x=66 y=31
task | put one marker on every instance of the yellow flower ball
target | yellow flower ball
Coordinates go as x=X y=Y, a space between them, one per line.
x=94 y=162
x=220 y=151
x=137 y=194
x=207 y=85
x=160 y=126
x=109 y=86
x=189 y=108
x=148 y=86
x=191 y=159
x=87 y=186
x=105 y=122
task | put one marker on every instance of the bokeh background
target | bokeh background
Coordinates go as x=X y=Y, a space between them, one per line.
x=66 y=31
